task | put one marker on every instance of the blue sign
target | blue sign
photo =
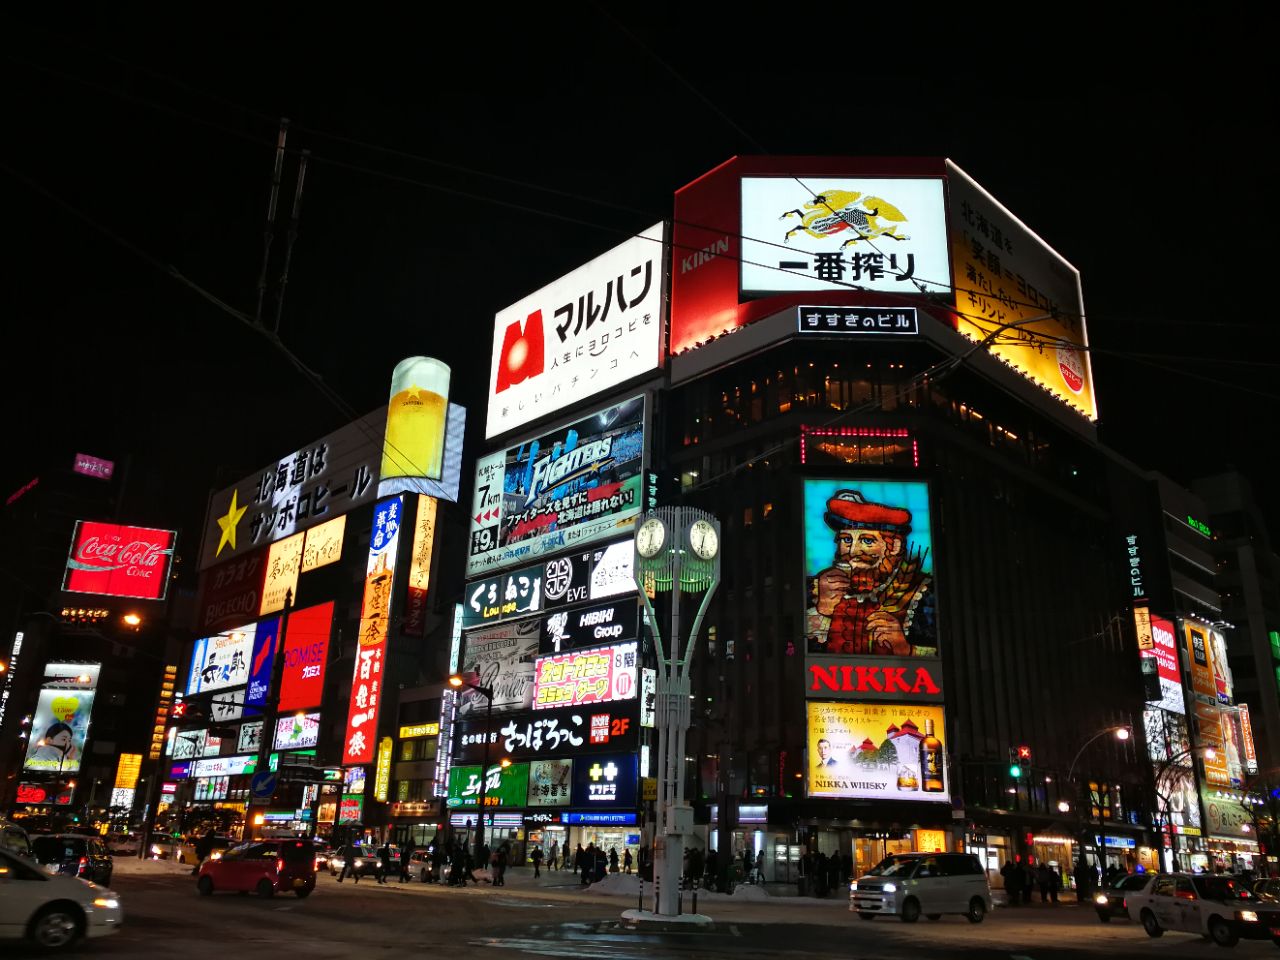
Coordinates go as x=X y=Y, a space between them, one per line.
x=603 y=819
x=1127 y=842
x=263 y=784
x=180 y=771
x=264 y=650
x=607 y=780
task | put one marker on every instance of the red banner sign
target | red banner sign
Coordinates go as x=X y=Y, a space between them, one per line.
x=40 y=793
x=306 y=651
x=117 y=561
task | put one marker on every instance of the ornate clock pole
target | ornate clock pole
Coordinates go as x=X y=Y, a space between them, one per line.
x=677 y=553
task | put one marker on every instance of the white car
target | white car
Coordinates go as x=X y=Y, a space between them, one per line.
x=1220 y=908
x=52 y=911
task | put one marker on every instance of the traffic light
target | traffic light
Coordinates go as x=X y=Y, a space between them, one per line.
x=1024 y=754
x=1015 y=765
x=178 y=710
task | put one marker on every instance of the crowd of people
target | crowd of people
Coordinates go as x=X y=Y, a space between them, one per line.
x=1022 y=879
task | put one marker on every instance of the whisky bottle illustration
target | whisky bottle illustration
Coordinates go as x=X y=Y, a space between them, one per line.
x=931 y=760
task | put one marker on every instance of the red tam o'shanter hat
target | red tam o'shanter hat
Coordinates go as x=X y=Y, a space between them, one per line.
x=849 y=509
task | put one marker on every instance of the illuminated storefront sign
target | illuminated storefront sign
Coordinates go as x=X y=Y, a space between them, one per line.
x=648 y=696
x=586 y=677
x=1201 y=659
x=868 y=551
x=422 y=446
x=265 y=643
x=1208 y=735
x=223 y=766
x=590 y=626
x=7 y=686
x=1246 y=736
x=168 y=685
x=877 y=751
x=504 y=596
x=42 y=793
x=306 y=652
x=1163 y=649
x=550 y=782
x=605 y=781
x=96 y=467
x=284 y=563
x=72 y=676
x=308 y=487
x=59 y=729
x=222 y=660
x=858 y=321
x=573 y=730
x=1199 y=526
x=349 y=809
x=127 y=769
x=591 y=330
x=414 y=620
x=249 y=739
x=366 y=680
x=297 y=732
x=420 y=730
x=323 y=544
x=1227 y=814
x=382 y=770
x=560 y=491
x=874 y=678
x=598 y=819
x=504 y=787
x=833 y=233
x=117 y=561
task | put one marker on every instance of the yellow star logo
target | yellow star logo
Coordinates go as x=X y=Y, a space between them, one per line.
x=229 y=522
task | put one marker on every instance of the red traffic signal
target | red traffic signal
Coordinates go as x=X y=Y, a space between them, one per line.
x=1024 y=753
x=179 y=710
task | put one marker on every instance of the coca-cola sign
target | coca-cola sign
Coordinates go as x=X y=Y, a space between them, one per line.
x=117 y=561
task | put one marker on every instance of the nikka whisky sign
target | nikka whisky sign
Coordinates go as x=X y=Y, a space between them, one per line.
x=902 y=679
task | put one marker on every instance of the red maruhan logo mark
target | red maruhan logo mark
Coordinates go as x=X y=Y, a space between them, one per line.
x=833 y=212
x=522 y=354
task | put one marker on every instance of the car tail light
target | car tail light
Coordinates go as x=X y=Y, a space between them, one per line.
x=315 y=864
x=279 y=866
x=84 y=862
x=1124 y=903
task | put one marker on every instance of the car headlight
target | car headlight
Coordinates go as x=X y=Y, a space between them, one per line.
x=853 y=886
x=890 y=888
x=359 y=862
x=1101 y=900
x=379 y=863
x=216 y=855
x=108 y=903
x=1248 y=916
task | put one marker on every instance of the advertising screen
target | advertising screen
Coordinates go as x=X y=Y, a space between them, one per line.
x=59 y=728
x=1006 y=274
x=323 y=544
x=250 y=737
x=349 y=809
x=1223 y=685
x=222 y=660
x=306 y=652
x=504 y=787
x=1201 y=659
x=371 y=644
x=880 y=751
x=303 y=489
x=414 y=620
x=868 y=554
x=550 y=783
x=586 y=677
x=266 y=640
x=1208 y=732
x=835 y=233
x=1226 y=816
x=595 y=574
x=503 y=658
x=284 y=563
x=552 y=733
x=1164 y=651
x=72 y=676
x=561 y=491
x=116 y=561
x=297 y=732
x=223 y=766
x=1246 y=740
x=503 y=596
x=591 y=330
x=605 y=781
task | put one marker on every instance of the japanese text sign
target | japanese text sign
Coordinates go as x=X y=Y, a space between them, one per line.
x=586 y=676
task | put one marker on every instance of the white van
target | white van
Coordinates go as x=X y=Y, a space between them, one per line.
x=907 y=885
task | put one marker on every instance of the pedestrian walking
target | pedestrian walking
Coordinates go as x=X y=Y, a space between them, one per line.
x=500 y=867
x=349 y=854
x=1055 y=884
x=578 y=857
x=406 y=858
x=203 y=847
x=613 y=859
x=626 y=860
x=383 y=863
x=1028 y=881
x=1012 y=874
x=555 y=853
x=537 y=862
x=760 y=866
x=1044 y=880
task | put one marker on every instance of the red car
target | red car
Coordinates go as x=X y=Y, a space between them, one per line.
x=265 y=867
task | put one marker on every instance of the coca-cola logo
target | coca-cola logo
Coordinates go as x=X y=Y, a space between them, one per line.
x=98 y=554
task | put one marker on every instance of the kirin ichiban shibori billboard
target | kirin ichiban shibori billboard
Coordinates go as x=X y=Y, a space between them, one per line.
x=560 y=491
x=587 y=332
x=870 y=589
x=841 y=233
x=118 y=561
x=880 y=751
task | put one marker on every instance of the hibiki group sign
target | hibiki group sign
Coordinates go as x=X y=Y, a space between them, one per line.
x=359 y=741
x=591 y=330
x=116 y=561
x=565 y=489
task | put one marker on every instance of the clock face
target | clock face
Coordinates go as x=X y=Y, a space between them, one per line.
x=703 y=539
x=650 y=537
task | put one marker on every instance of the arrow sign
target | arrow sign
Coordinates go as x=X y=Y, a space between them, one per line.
x=263 y=784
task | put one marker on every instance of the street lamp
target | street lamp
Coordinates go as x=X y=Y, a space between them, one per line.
x=458 y=681
x=1120 y=732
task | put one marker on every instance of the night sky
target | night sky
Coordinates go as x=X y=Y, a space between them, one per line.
x=458 y=165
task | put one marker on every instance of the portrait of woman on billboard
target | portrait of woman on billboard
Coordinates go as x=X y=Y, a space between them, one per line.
x=868 y=570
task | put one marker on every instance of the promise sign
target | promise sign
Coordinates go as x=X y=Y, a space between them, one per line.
x=117 y=561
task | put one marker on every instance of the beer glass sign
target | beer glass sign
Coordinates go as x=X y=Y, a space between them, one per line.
x=416 y=418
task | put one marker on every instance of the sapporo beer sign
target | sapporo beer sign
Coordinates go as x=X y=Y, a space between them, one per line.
x=118 y=561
